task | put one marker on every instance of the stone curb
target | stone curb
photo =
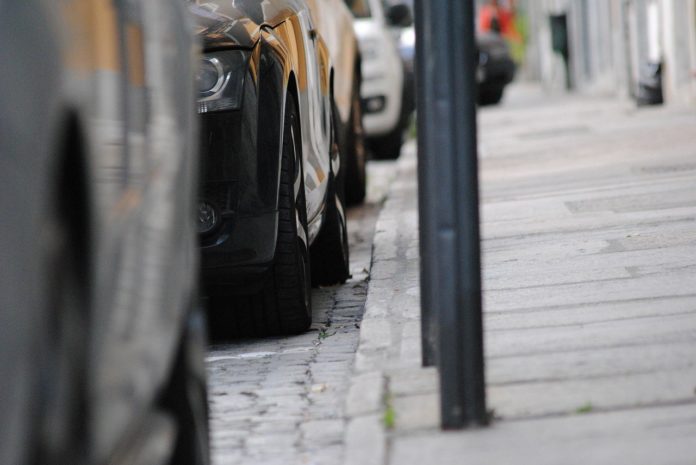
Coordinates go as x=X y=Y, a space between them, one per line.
x=366 y=436
x=365 y=441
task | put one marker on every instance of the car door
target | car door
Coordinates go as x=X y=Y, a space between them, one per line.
x=122 y=166
x=315 y=113
x=335 y=23
x=144 y=264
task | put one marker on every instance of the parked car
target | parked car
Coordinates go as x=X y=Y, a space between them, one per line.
x=383 y=73
x=496 y=68
x=101 y=341
x=334 y=21
x=407 y=50
x=405 y=37
x=271 y=216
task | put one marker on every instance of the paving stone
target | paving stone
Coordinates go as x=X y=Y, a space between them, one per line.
x=375 y=333
x=366 y=394
x=410 y=381
x=365 y=441
x=273 y=442
x=641 y=437
x=323 y=432
x=282 y=400
x=291 y=390
x=416 y=412
x=370 y=359
x=277 y=426
x=323 y=455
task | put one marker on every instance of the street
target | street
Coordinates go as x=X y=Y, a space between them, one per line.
x=602 y=348
x=517 y=281
x=281 y=400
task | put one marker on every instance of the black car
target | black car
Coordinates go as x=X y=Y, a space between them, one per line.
x=271 y=215
x=496 y=69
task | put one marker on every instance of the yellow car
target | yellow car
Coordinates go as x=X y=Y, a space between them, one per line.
x=272 y=212
x=334 y=22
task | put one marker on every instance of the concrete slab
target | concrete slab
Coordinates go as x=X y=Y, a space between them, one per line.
x=648 y=436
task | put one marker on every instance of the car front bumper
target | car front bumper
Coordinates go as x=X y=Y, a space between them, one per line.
x=240 y=183
x=497 y=72
x=381 y=94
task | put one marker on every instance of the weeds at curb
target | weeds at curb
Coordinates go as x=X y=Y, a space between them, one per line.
x=323 y=333
x=587 y=408
x=389 y=414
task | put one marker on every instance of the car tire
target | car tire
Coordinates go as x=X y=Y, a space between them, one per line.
x=330 y=251
x=282 y=302
x=388 y=147
x=186 y=396
x=490 y=95
x=61 y=392
x=283 y=305
x=356 y=155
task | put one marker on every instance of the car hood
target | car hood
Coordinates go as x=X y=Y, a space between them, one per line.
x=237 y=23
x=224 y=29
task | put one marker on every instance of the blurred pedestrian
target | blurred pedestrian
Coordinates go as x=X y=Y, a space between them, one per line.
x=501 y=18
x=495 y=17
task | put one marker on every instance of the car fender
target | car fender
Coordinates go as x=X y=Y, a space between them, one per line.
x=310 y=64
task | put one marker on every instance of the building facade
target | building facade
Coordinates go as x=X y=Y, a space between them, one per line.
x=613 y=44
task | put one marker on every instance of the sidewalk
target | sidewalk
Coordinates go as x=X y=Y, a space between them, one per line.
x=589 y=240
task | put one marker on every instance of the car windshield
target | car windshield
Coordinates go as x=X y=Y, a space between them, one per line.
x=360 y=8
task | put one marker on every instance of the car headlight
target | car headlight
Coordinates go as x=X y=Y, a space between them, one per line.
x=220 y=80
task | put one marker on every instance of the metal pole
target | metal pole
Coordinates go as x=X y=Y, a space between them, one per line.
x=425 y=202
x=449 y=204
x=627 y=47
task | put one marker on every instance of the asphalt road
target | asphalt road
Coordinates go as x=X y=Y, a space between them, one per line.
x=281 y=400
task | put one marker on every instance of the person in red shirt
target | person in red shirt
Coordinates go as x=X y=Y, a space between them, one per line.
x=494 y=17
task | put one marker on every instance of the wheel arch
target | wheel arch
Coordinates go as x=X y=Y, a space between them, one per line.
x=65 y=210
x=292 y=89
x=335 y=130
x=71 y=175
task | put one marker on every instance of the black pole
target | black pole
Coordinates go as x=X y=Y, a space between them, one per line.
x=449 y=205
x=425 y=203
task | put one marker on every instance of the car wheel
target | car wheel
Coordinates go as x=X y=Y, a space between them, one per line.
x=284 y=303
x=356 y=157
x=186 y=396
x=490 y=95
x=61 y=391
x=388 y=147
x=330 y=251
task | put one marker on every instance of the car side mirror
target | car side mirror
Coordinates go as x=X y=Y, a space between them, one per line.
x=399 y=15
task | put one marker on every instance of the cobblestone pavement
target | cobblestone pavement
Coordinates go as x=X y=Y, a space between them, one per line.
x=281 y=400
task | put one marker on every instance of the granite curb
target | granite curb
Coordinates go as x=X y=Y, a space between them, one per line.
x=366 y=404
